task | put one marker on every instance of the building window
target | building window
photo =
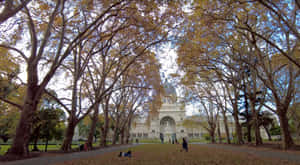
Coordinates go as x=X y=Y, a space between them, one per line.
x=190 y=135
x=145 y=135
x=182 y=131
x=133 y=135
x=196 y=134
x=140 y=134
x=153 y=131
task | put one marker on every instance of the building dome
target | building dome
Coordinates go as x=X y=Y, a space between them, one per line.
x=170 y=95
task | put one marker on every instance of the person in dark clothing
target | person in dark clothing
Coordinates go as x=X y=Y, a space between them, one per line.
x=185 y=145
x=125 y=154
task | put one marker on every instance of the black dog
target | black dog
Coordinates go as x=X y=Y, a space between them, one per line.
x=125 y=154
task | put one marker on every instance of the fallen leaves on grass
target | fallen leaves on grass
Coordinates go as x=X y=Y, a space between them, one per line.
x=165 y=154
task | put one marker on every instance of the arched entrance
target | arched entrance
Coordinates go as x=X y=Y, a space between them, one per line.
x=168 y=128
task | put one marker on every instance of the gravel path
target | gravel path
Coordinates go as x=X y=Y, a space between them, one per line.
x=48 y=160
x=282 y=155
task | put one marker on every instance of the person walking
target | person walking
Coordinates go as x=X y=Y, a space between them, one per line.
x=185 y=144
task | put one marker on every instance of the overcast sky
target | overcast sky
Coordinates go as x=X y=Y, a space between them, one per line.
x=167 y=59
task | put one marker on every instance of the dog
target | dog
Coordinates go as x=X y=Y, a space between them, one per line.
x=125 y=154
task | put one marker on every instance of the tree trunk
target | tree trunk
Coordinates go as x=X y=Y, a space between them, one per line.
x=115 y=135
x=127 y=136
x=226 y=127
x=219 y=133
x=35 y=148
x=249 y=139
x=103 y=142
x=287 y=141
x=212 y=136
x=66 y=146
x=122 y=133
x=258 y=139
x=89 y=141
x=128 y=129
x=37 y=132
x=104 y=130
x=268 y=133
x=116 y=130
x=46 y=147
x=22 y=137
x=238 y=129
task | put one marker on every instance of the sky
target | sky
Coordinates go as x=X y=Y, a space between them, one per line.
x=167 y=58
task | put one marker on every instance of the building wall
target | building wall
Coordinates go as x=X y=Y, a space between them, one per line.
x=141 y=130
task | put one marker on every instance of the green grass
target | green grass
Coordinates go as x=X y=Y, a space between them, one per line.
x=179 y=140
x=41 y=147
x=198 y=140
x=168 y=154
x=149 y=141
x=3 y=149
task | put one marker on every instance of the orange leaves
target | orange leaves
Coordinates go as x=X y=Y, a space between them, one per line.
x=58 y=21
x=44 y=6
x=8 y=63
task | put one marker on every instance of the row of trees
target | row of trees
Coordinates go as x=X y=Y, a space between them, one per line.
x=243 y=51
x=100 y=53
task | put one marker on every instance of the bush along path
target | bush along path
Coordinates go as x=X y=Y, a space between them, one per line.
x=48 y=160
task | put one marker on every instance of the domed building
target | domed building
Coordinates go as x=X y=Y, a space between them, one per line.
x=168 y=124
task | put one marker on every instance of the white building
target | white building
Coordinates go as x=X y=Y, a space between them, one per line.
x=168 y=123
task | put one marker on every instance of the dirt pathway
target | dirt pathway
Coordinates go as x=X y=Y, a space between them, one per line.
x=48 y=160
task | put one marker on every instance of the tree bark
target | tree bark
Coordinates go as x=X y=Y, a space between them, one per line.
x=212 y=136
x=258 y=139
x=248 y=118
x=66 y=146
x=104 y=129
x=249 y=139
x=37 y=134
x=22 y=137
x=122 y=133
x=46 y=147
x=287 y=141
x=128 y=129
x=226 y=127
x=268 y=133
x=103 y=141
x=89 y=141
x=219 y=133
x=115 y=135
x=238 y=129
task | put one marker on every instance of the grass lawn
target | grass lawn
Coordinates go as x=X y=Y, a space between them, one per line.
x=166 y=141
x=4 y=148
x=165 y=154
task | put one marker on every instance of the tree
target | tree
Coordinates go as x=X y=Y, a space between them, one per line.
x=49 y=121
x=49 y=126
x=230 y=34
x=11 y=7
x=266 y=119
x=55 y=32
x=52 y=41
x=9 y=90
